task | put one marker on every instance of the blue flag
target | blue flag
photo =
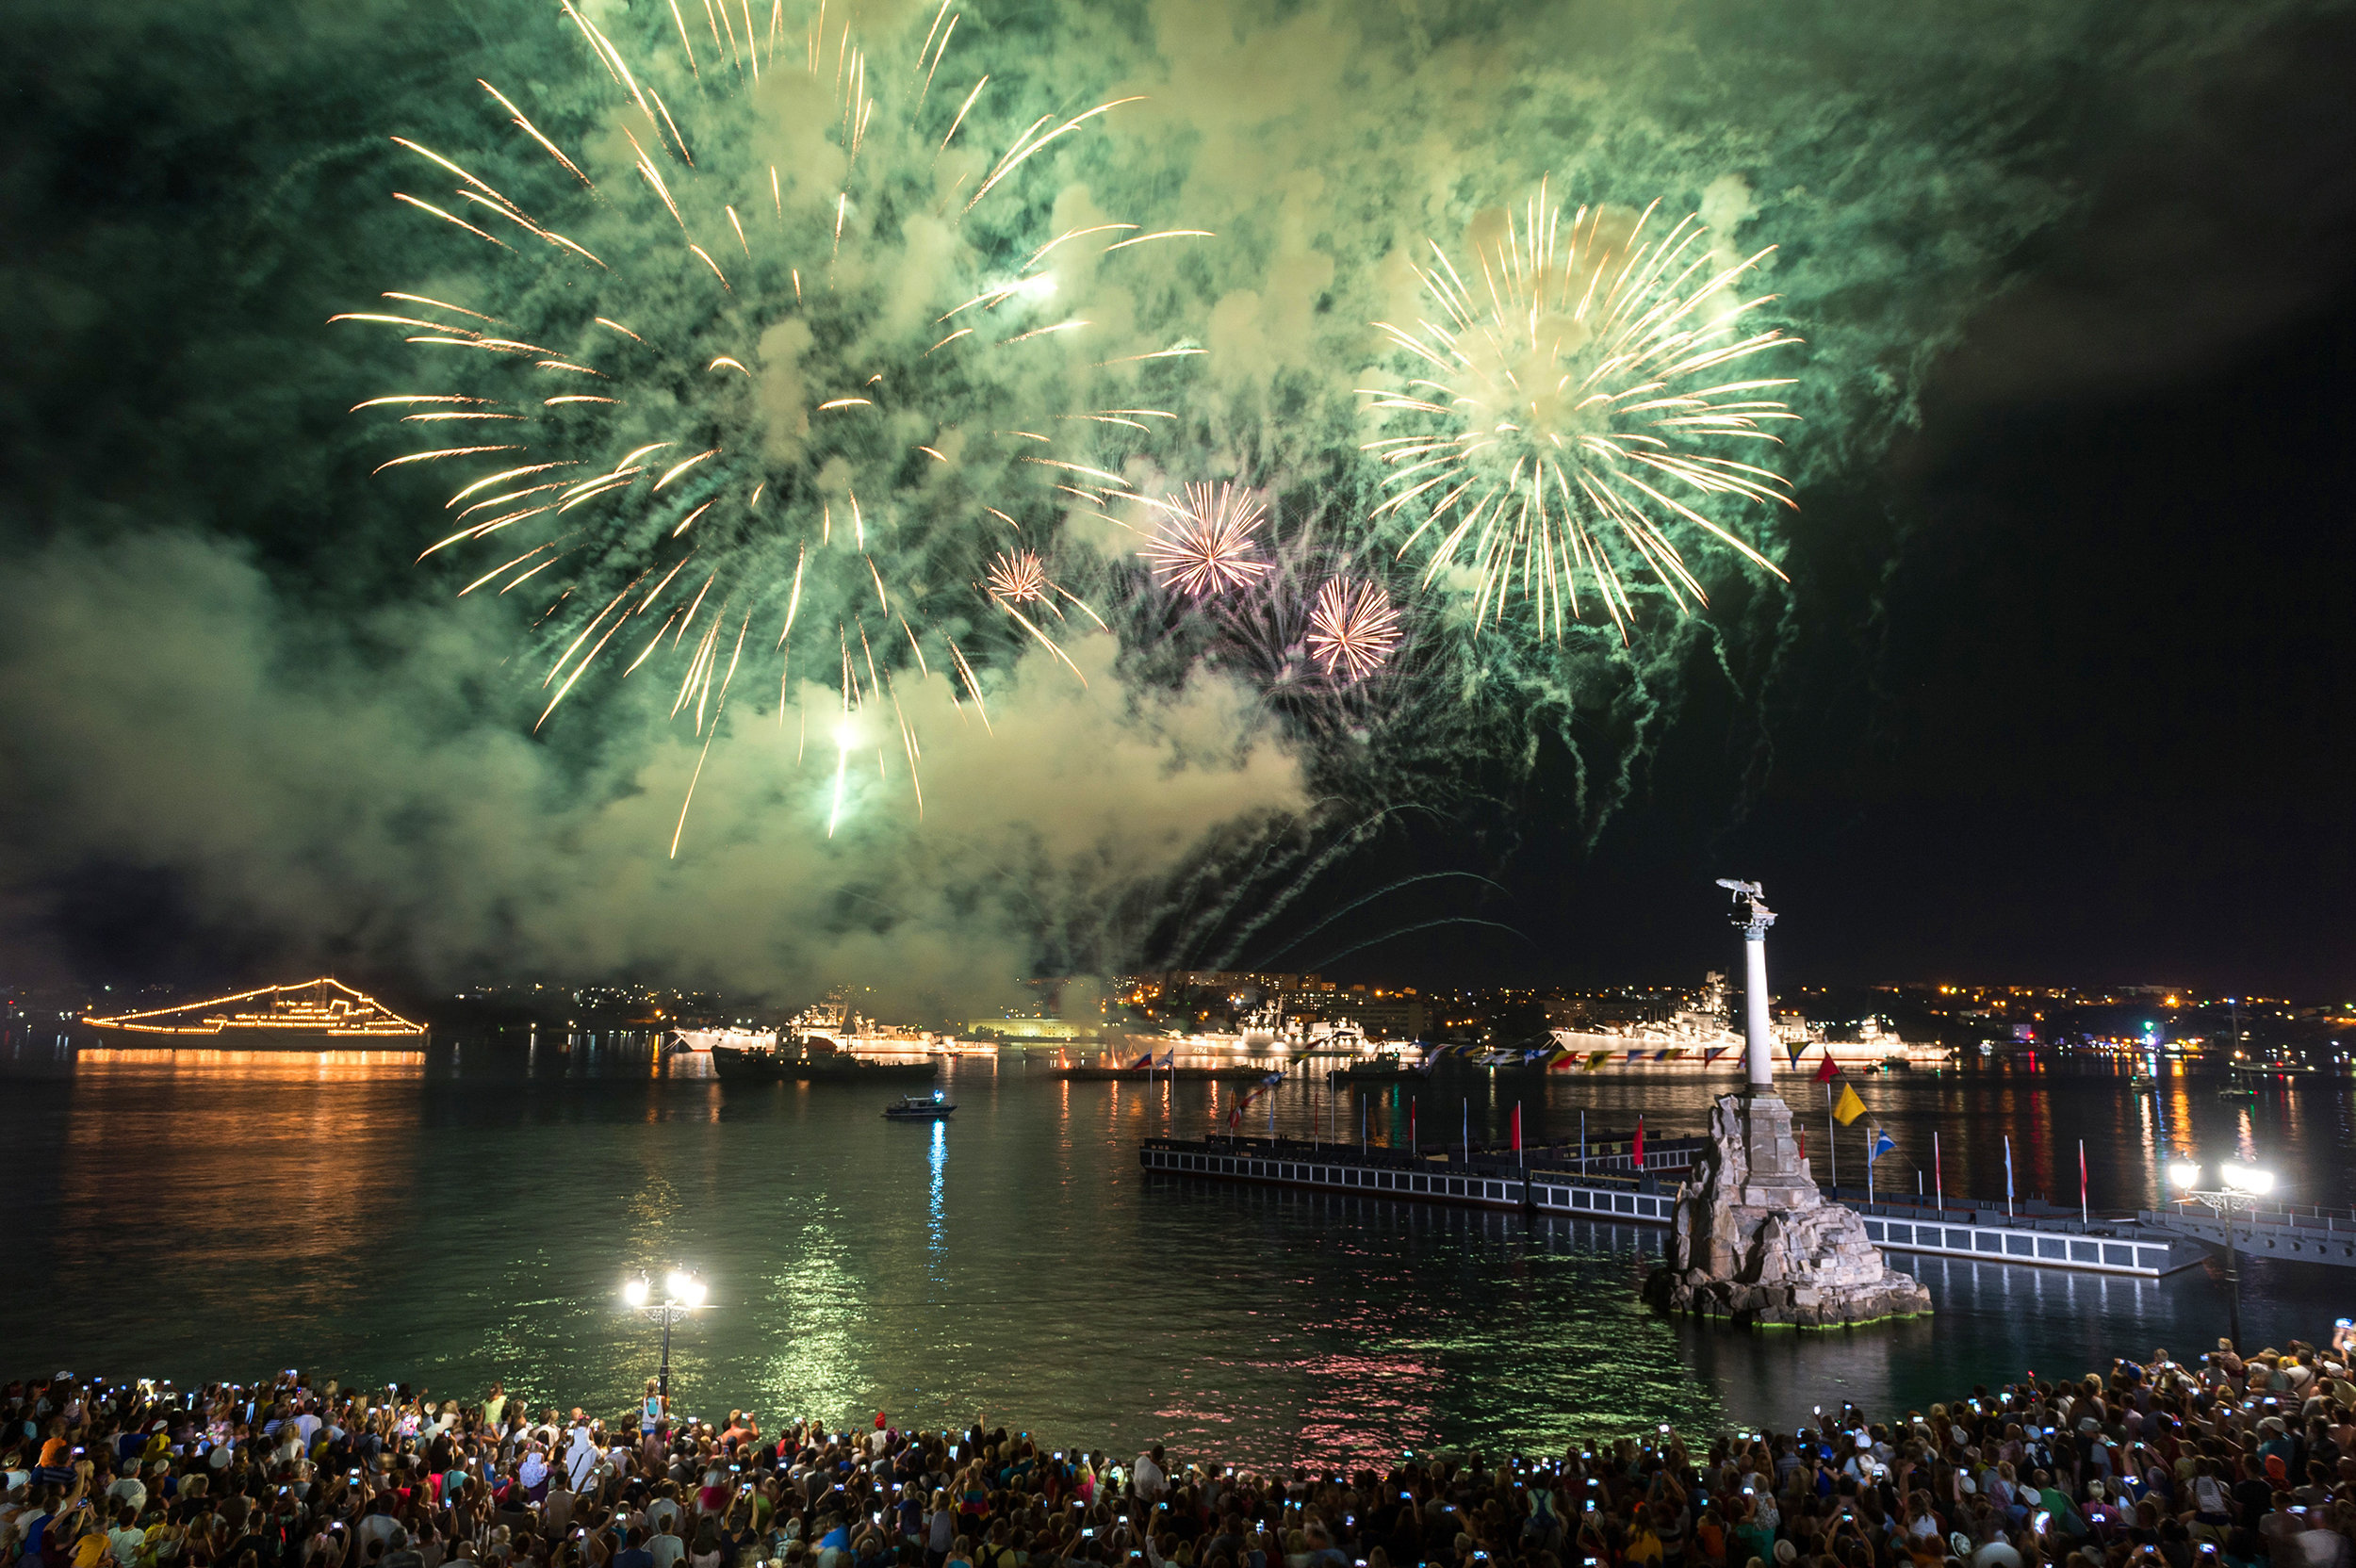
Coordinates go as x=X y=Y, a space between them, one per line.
x=2007 y=1170
x=1881 y=1146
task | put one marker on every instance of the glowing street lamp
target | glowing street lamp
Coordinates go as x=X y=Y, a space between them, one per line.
x=2239 y=1187
x=682 y=1293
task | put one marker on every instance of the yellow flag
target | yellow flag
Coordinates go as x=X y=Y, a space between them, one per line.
x=1595 y=1060
x=1848 y=1107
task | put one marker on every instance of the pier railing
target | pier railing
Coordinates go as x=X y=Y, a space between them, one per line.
x=2339 y=1222
x=1602 y=1162
x=1542 y=1182
x=2303 y=1233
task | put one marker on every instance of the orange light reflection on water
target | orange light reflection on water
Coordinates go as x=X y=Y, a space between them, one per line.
x=286 y=1155
x=257 y=1066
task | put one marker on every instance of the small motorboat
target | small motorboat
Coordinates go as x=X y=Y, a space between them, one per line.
x=917 y=1107
x=1387 y=1068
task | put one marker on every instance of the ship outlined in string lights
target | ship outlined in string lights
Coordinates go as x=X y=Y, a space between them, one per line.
x=305 y=1016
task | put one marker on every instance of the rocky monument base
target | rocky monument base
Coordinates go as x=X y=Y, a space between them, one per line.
x=1755 y=1244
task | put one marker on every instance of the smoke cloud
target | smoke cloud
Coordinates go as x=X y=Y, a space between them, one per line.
x=368 y=807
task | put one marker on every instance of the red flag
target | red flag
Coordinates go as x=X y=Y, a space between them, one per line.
x=1825 y=1069
x=1518 y=1126
x=1411 y=1124
x=1801 y=1133
x=1640 y=1143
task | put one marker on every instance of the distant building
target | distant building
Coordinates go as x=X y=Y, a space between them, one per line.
x=1021 y=1028
x=1400 y=1015
x=1225 y=980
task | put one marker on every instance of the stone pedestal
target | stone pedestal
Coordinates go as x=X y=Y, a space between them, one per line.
x=1757 y=1245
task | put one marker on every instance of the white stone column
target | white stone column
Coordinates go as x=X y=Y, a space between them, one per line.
x=1754 y=918
x=1762 y=1046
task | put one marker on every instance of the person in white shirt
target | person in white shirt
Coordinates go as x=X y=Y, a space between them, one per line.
x=1998 y=1553
x=940 y=1527
x=668 y=1549
x=582 y=1457
x=2320 y=1546
x=377 y=1526
x=1149 y=1480
x=127 y=1539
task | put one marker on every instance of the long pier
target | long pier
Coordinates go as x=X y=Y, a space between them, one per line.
x=1603 y=1180
x=2302 y=1235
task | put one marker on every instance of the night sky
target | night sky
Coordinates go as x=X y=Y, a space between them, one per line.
x=2058 y=691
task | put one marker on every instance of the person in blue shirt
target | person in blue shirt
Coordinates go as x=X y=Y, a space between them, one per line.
x=633 y=1553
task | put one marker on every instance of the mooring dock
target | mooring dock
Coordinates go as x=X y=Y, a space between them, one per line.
x=1602 y=1180
x=2303 y=1234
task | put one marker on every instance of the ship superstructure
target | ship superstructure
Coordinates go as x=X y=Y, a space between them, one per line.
x=1701 y=1033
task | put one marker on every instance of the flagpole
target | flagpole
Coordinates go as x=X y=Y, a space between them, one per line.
x=1469 y=1130
x=1832 y=1133
x=1518 y=1157
x=1362 y=1124
x=2083 y=1218
x=1939 y=1174
x=2007 y=1175
x=1868 y=1167
x=1582 y=1143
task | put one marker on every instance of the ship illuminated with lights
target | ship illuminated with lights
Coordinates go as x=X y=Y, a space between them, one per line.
x=314 y=1015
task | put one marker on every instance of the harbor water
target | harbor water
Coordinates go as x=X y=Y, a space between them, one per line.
x=468 y=1213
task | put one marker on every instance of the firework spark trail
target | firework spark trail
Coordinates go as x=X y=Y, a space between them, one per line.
x=1384 y=891
x=1553 y=400
x=678 y=431
x=1233 y=886
x=1352 y=629
x=1204 y=544
x=1332 y=958
x=1296 y=884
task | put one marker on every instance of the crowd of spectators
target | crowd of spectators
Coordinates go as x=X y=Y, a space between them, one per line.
x=2227 y=1463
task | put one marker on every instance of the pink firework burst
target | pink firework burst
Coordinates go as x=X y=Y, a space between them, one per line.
x=1352 y=629
x=1205 y=544
x=1017 y=575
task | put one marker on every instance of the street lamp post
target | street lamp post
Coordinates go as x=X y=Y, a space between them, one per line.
x=2239 y=1189
x=682 y=1293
